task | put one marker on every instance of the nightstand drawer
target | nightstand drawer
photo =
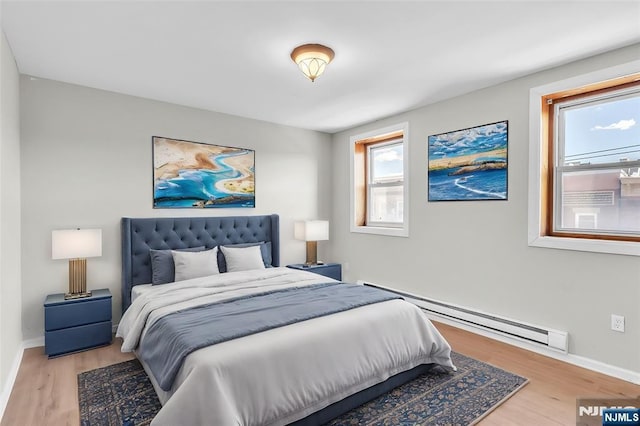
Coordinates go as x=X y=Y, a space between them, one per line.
x=78 y=312
x=73 y=339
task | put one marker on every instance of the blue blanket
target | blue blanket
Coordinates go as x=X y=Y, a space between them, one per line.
x=170 y=339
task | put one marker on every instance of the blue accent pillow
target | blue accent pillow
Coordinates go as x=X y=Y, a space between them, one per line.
x=265 y=250
x=163 y=269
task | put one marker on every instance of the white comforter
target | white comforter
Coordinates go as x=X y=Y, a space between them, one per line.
x=281 y=375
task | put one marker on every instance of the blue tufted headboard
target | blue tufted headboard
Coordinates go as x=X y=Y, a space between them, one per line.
x=141 y=234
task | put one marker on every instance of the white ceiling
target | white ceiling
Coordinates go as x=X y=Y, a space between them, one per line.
x=233 y=57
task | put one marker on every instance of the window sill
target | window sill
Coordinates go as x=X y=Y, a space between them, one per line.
x=628 y=248
x=378 y=230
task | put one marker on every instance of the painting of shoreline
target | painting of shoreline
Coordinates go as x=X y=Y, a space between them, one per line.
x=469 y=164
x=199 y=175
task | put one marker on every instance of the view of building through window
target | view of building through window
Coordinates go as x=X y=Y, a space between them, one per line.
x=598 y=164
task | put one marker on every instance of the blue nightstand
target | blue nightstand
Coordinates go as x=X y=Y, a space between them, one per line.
x=331 y=270
x=77 y=324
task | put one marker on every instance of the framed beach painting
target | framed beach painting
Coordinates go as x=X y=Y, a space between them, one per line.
x=199 y=175
x=469 y=164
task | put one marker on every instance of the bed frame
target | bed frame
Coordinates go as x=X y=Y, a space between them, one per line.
x=141 y=234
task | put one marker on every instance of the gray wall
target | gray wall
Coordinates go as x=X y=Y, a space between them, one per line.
x=475 y=254
x=87 y=162
x=10 y=285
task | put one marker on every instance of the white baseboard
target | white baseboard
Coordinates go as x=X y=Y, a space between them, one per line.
x=588 y=363
x=11 y=379
x=33 y=343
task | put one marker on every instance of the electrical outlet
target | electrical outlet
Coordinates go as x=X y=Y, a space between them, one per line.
x=617 y=323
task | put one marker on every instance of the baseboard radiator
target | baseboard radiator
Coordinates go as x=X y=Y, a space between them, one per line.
x=553 y=339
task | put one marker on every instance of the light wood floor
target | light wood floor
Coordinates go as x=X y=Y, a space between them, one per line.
x=45 y=392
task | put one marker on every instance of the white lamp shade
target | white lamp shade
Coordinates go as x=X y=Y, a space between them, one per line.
x=76 y=243
x=312 y=230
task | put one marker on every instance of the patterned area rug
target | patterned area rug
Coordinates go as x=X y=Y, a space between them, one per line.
x=122 y=394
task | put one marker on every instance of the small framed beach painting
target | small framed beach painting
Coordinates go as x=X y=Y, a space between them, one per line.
x=469 y=164
x=199 y=175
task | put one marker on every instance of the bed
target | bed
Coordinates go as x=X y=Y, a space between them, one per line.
x=300 y=373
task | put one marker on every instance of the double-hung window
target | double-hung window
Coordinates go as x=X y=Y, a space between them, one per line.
x=586 y=155
x=385 y=184
x=596 y=172
x=379 y=188
x=596 y=164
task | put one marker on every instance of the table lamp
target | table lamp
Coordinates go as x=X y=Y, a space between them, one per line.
x=76 y=245
x=312 y=231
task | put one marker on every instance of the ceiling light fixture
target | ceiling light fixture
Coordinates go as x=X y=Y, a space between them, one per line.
x=312 y=59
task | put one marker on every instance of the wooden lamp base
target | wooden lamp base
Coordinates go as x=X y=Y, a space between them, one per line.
x=312 y=253
x=77 y=279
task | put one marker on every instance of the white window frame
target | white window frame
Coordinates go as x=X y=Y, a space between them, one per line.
x=380 y=229
x=535 y=231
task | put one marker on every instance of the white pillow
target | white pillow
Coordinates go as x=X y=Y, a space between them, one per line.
x=195 y=264
x=242 y=258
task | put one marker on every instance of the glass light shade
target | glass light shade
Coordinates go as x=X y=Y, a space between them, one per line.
x=312 y=67
x=76 y=243
x=312 y=230
x=312 y=59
